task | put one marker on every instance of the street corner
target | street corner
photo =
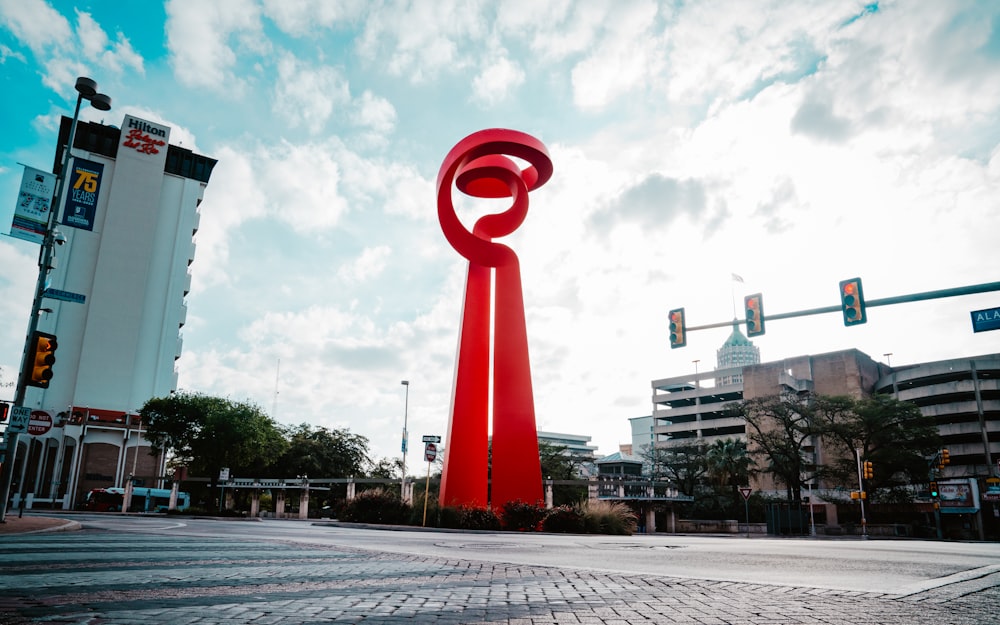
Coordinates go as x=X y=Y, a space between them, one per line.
x=15 y=525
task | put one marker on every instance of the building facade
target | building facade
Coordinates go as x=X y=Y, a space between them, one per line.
x=963 y=396
x=116 y=304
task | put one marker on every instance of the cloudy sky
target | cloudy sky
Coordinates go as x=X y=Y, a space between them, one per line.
x=795 y=144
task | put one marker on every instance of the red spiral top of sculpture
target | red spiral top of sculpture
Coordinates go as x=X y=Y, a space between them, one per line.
x=480 y=166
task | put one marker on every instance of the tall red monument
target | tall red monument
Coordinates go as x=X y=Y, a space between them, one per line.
x=481 y=165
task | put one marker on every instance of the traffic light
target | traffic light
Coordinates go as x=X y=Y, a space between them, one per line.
x=852 y=300
x=754 y=305
x=41 y=357
x=4 y=408
x=934 y=489
x=867 y=470
x=678 y=331
x=945 y=457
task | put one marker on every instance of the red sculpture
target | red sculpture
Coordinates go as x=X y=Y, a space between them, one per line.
x=480 y=166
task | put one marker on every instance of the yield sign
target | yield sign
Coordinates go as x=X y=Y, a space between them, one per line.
x=745 y=491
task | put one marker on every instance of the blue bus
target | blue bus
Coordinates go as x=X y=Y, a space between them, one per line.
x=143 y=500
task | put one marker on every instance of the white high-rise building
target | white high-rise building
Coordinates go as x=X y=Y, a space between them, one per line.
x=116 y=305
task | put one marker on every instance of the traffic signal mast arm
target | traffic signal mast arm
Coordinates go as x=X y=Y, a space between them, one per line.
x=885 y=301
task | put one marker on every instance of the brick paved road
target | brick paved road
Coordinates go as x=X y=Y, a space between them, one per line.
x=107 y=578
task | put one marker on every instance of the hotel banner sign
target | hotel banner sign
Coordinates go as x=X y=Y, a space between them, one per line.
x=81 y=196
x=34 y=201
x=988 y=319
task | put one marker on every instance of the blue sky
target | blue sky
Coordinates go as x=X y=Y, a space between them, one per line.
x=794 y=144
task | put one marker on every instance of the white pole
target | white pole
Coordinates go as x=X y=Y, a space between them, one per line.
x=406 y=407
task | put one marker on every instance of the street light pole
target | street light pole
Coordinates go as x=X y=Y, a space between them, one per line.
x=406 y=408
x=86 y=90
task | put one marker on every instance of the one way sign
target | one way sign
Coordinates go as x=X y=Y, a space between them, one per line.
x=19 y=417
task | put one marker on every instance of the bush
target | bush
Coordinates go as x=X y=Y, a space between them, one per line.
x=417 y=512
x=469 y=518
x=376 y=506
x=609 y=517
x=521 y=517
x=563 y=519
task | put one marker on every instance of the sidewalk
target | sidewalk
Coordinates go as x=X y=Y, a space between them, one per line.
x=35 y=524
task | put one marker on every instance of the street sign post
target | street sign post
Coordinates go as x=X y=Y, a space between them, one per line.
x=430 y=454
x=745 y=491
x=430 y=438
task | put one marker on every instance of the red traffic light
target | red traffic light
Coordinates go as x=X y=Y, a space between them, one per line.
x=754 y=307
x=852 y=300
x=41 y=357
x=678 y=331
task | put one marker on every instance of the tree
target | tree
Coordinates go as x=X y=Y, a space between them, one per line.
x=894 y=435
x=683 y=465
x=729 y=463
x=386 y=468
x=321 y=452
x=209 y=433
x=557 y=464
x=778 y=426
x=560 y=464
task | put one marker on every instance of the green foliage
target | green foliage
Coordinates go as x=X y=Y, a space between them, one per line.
x=564 y=519
x=520 y=516
x=321 y=452
x=209 y=433
x=682 y=465
x=728 y=463
x=386 y=468
x=469 y=518
x=609 y=517
x=377 y=505
x=779 y=426
x=894 y=435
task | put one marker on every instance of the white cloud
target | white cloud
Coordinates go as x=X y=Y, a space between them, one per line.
x=624 y=59
x=36 y=24
x=198 y=37
x=369 y=265
x=421 y=39
x=308 y=96
x=304 y=17
x=497 y=81
x=375 y=114
x=92 y=37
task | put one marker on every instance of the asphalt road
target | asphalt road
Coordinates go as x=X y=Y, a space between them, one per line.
x=170 y=570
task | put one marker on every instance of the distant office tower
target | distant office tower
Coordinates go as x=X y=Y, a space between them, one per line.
x=117 y=306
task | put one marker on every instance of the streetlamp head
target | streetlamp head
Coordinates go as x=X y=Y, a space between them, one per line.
x=405 y=382
x=87 y=87
x=100 y=102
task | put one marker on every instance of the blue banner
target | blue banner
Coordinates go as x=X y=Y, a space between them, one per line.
x=82 y=190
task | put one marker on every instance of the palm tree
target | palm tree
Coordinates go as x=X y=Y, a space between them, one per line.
x=728 y=462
